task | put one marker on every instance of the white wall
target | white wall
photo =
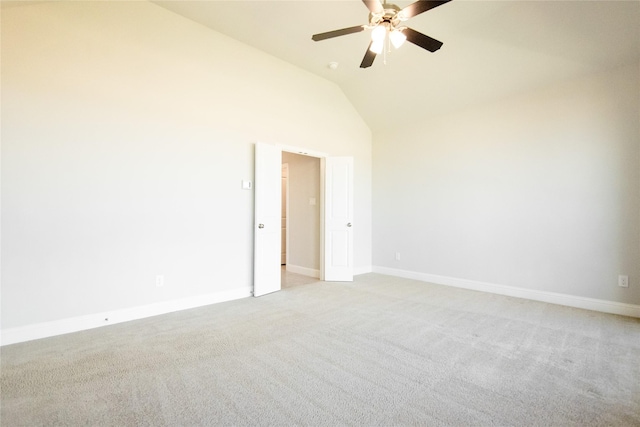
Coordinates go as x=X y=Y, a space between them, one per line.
x=541 y=191
x=304 y=218
x=126 y=132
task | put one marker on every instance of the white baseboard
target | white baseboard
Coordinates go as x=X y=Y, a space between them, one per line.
x=303 y=270
x=81 y=323
x=604 y=306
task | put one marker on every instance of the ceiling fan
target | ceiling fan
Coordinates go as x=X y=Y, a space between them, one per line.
x=385 y=21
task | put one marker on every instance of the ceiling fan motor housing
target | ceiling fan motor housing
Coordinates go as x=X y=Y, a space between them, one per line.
x=390 y=16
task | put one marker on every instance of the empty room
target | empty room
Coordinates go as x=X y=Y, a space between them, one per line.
x=320 y=213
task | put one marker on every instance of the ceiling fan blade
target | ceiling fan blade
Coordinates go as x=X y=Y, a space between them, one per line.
x=337 y=33
x=374 y=6
x=419 y=7
x=369 y=56
x=422 y=40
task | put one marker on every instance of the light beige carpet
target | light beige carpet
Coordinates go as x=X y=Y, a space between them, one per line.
x=379 y=351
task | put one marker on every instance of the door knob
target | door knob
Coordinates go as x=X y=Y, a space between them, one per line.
x=260 y=225
x=349 y=225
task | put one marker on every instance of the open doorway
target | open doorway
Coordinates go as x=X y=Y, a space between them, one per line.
x=301 y=221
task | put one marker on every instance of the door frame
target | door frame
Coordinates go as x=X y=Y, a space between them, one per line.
x=266 y=217
x=285 y=197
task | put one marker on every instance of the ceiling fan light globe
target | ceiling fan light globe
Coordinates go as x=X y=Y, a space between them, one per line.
x=377 y=46
x=397 y=38
x=378 y=33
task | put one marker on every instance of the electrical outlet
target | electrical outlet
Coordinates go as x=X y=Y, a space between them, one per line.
x=623 y=281
x=159 y=280
x=397 y=256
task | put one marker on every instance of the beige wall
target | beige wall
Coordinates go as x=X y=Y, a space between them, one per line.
x=126 y=133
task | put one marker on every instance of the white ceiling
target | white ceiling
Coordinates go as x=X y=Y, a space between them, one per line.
x=492 y=49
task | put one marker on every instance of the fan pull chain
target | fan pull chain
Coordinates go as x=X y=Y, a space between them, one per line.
x=385 y=47
x=387 y=50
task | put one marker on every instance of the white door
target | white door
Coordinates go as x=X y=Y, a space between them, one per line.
x=268 y=218
x=285 y=208
x=338 y=217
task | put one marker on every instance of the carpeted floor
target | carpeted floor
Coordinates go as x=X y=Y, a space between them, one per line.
x=379 y=351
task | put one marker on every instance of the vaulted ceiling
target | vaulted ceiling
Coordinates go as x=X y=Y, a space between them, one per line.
x=492 y=49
